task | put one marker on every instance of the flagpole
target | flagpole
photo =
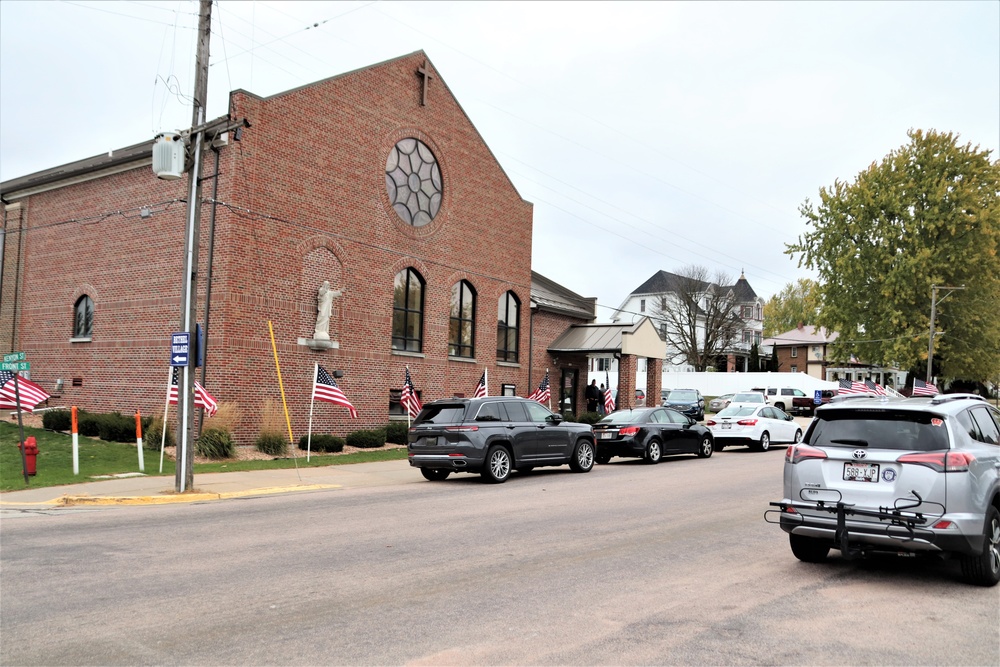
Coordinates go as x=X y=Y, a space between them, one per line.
x=486 y=380
x=407 y=406
x=166 y=410
x=312 y=402
x=550 y=391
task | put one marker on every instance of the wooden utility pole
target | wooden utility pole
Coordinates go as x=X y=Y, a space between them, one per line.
x=185 y=401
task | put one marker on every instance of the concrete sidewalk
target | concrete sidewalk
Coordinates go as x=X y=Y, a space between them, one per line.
x=146 y=490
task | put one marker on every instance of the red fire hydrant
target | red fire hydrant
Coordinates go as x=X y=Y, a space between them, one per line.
x=30 y=452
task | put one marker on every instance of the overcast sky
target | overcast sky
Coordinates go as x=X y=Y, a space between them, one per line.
x=648 y=136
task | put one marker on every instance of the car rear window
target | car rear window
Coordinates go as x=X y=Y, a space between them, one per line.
x=624 y=417
x=441 y=414
x=682 y=396
x=879 y=429
x=737 y=411
x=748 y=398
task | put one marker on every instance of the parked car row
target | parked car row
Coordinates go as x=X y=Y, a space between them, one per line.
x=496 y=435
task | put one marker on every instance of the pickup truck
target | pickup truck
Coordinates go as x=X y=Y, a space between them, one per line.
x=783 y=398
x=806 y=406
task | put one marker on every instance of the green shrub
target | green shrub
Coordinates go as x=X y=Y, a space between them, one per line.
x=57 y=420
x=395 y=432
x=322 y=442
x=152 y=436
x=87 y=423
x=273 y=443
x=589 y=417
x=216 y=443
x=365 y=439
x=116 y=427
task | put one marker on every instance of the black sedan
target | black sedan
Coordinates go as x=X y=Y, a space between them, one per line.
x=649 y=433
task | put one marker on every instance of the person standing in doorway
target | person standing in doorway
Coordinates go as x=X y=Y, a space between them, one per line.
x=593 y=396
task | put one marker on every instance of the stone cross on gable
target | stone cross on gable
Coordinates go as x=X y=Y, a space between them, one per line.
x=426 y=73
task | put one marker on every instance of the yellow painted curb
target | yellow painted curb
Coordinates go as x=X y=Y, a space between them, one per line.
x=165 y=499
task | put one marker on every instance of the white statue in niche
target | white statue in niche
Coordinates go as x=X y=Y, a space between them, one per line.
x=324 y=304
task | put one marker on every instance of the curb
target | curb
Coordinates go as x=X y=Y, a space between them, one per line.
x=167 y=499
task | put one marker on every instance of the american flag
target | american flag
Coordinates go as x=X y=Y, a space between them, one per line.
x=855 y=387
x=202 y=399
x=325 y=389
x=542 y=394
x=875 y=387
x=409 y=399
x=609 y=399
x=481 y=387
x=31 y=394
x=921 y=388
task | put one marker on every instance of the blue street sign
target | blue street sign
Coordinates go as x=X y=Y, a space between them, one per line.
x=818 y=397
x=180 y=348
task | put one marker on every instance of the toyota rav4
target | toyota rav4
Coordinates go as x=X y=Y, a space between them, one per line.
x=918 y=475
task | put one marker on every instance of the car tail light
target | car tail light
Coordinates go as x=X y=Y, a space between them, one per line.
x=942 y=524
x=461 y=429
x=747 y=422
x=710 y=422
x=628 y=430
x=940 y=461
x=798 y=453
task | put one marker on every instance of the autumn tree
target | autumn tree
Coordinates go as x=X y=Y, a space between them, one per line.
x=698 y=318
x=927 y=214
x=798 y=303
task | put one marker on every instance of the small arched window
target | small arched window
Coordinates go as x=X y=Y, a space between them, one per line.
x=83 y=317
x=462 y=325
x=508 y=324
x=408 y=311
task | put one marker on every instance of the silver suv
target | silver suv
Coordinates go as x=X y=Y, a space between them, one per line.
x=918 y=475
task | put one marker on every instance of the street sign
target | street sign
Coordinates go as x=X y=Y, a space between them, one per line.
x=15 y=366
x=180 y=348
x=13 y=356
x=818 y=397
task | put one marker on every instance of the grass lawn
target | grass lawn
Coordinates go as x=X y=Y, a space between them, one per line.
x=54 y=463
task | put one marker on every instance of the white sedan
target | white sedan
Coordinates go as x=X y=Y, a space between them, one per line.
x=756 y=426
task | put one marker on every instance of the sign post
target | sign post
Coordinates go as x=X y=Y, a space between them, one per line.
x=818 y=397
x=15 y=362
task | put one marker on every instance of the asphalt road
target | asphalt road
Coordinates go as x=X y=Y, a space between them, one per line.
x=629 y=564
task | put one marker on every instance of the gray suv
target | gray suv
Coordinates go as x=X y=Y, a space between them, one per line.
x=919 y=475
x=494 y=435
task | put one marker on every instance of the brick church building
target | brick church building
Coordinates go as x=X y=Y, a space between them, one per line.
x=374 y=181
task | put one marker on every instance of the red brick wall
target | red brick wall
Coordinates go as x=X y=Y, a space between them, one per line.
x=547 y=327
x=628 y=367
x=311 y=171
x=654 y=380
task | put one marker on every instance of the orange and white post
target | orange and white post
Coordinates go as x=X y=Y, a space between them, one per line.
x=76 y=444
x=138 y=440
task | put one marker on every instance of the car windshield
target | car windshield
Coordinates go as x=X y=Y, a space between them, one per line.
x=879 y=429
x=625 y=417
x=682 y=396
x=450 y=413
x=737 y=411
x=751 y=397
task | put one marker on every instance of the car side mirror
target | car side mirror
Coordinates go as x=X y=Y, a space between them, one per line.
x=691 y=421
x=555 y=419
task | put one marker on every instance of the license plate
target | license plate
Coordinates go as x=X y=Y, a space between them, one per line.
x=726 y=426
x=606 y=435
x=861 y=472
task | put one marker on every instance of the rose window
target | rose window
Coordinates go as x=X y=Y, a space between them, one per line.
x=413 y=182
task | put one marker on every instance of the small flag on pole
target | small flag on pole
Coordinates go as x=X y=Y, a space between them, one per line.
x=202 y=399
x=875 y=387
x=542 y=394
x=609 y=399
x=921 y=388
x=852 y=387
x=31 y=394
x=409 y=399
x=325 y=389
x=481 y=387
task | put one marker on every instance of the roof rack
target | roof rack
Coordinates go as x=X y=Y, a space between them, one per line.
x=944 y=398
x=840 y=398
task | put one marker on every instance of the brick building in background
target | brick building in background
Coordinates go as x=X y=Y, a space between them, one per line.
x=375 y=181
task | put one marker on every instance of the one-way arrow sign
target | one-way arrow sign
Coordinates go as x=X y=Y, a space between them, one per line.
x=180 y=346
